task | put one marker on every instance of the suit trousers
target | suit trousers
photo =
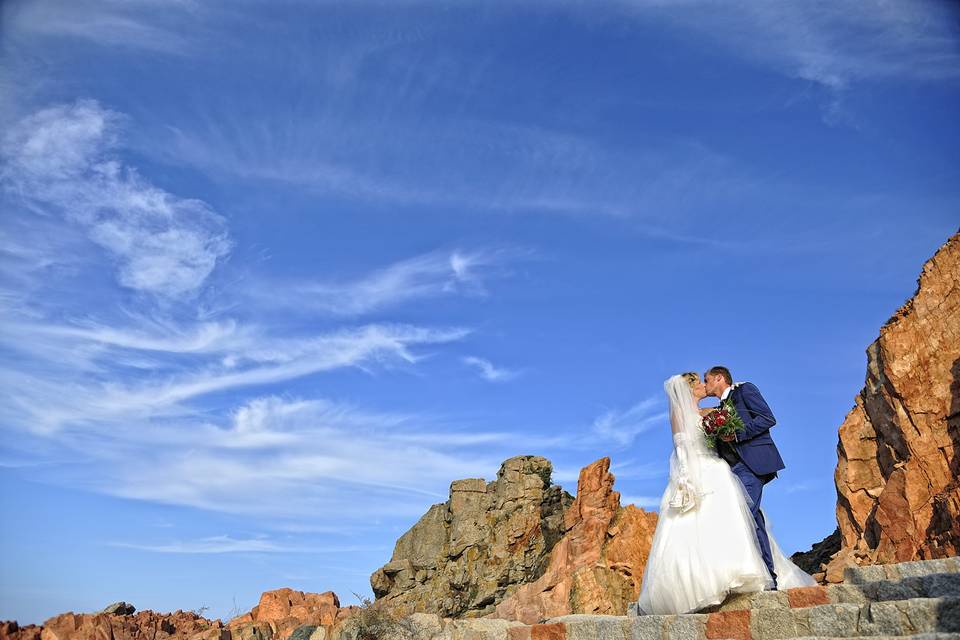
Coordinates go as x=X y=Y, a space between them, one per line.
x=754 y=486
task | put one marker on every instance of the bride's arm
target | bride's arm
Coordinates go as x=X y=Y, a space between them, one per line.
x=675 y=425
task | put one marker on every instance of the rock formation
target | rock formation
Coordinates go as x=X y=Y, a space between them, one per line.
x=10 y=630
x=820 y=553
x=597 y=565
x=281 y=611
x=466 y=555
x=899 y=451
x=145 y=625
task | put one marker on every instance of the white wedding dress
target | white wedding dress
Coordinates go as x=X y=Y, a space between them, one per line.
x=705 y=545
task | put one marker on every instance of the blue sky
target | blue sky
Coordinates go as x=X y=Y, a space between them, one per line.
x=275 y=273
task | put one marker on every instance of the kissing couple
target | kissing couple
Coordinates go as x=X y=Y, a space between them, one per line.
x=712 y=539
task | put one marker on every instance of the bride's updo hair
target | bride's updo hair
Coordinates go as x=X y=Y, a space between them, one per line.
x=692 y=378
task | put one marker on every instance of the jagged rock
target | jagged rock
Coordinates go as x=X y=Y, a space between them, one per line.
x=899 y=451
x=597 y=565
x=119 y=609
x=282 y=611
x=813 y=561
x=10 y=630
x=145 y=625
x=466 y=555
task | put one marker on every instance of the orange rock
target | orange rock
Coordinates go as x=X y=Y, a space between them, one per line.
x=899 y=452
x=729 y=625
x=554 y=631
x=597 y=565
x=285 y=610
x=807 y=597
x=144 y=625
x=10 y=630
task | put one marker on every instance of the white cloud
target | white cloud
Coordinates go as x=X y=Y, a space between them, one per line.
x=149 y=25
x=49 y=395
x=644 y=502
x=622 y=426
x=831 y=43
x=807 y=485
x=62 y=160
x=227 y=544
x=451 y=162
x=488 y=371
x=283 y=460
x=425 y=276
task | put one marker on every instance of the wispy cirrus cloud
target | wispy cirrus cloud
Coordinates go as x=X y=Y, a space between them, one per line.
x=227 y=544
x=280 y=459
x=62 y=161
x=644 y=502
x=144 y=25
x=488 y=371
x=479 y=166
x=833 y=45
x=234 y=359
x=622 y=426
x=422 y=277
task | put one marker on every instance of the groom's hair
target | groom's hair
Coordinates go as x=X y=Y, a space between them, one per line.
x=721 y=371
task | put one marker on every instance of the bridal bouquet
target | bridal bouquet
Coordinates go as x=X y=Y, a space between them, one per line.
x=722 y=423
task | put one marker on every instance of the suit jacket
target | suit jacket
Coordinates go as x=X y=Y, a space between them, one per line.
x=755 y=446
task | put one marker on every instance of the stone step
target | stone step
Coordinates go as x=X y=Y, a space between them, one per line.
x=896 y=618
x=893 y=582
x=901 y=570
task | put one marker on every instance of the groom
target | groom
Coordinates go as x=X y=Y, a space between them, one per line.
x=751 y=454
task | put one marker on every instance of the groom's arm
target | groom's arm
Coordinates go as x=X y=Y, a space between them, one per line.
x=759 y=417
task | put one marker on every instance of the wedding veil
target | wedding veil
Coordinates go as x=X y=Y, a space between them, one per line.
x=689 y=447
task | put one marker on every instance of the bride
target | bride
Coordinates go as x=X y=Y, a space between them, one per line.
x=705 y=545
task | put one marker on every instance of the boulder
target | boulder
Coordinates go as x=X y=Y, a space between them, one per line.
x=898 y=497
x=282 y=611
x=119 y=609
x=466 y=555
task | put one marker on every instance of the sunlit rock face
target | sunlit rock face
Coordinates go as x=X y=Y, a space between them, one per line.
x=899 y=450
x=465 y=555
x=598 y=564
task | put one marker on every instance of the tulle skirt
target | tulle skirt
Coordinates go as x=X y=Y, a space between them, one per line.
x=699 y=557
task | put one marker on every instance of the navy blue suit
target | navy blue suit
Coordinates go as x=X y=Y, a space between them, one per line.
x=753 y=457
x=755 y=446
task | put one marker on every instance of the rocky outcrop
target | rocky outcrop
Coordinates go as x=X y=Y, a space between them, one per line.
x=466 y=555
x=597 y=565
x=899 y=451
x=119 y=608
x=812 y=561
x=145 y=625
x=282 y=611
x=10 y=630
